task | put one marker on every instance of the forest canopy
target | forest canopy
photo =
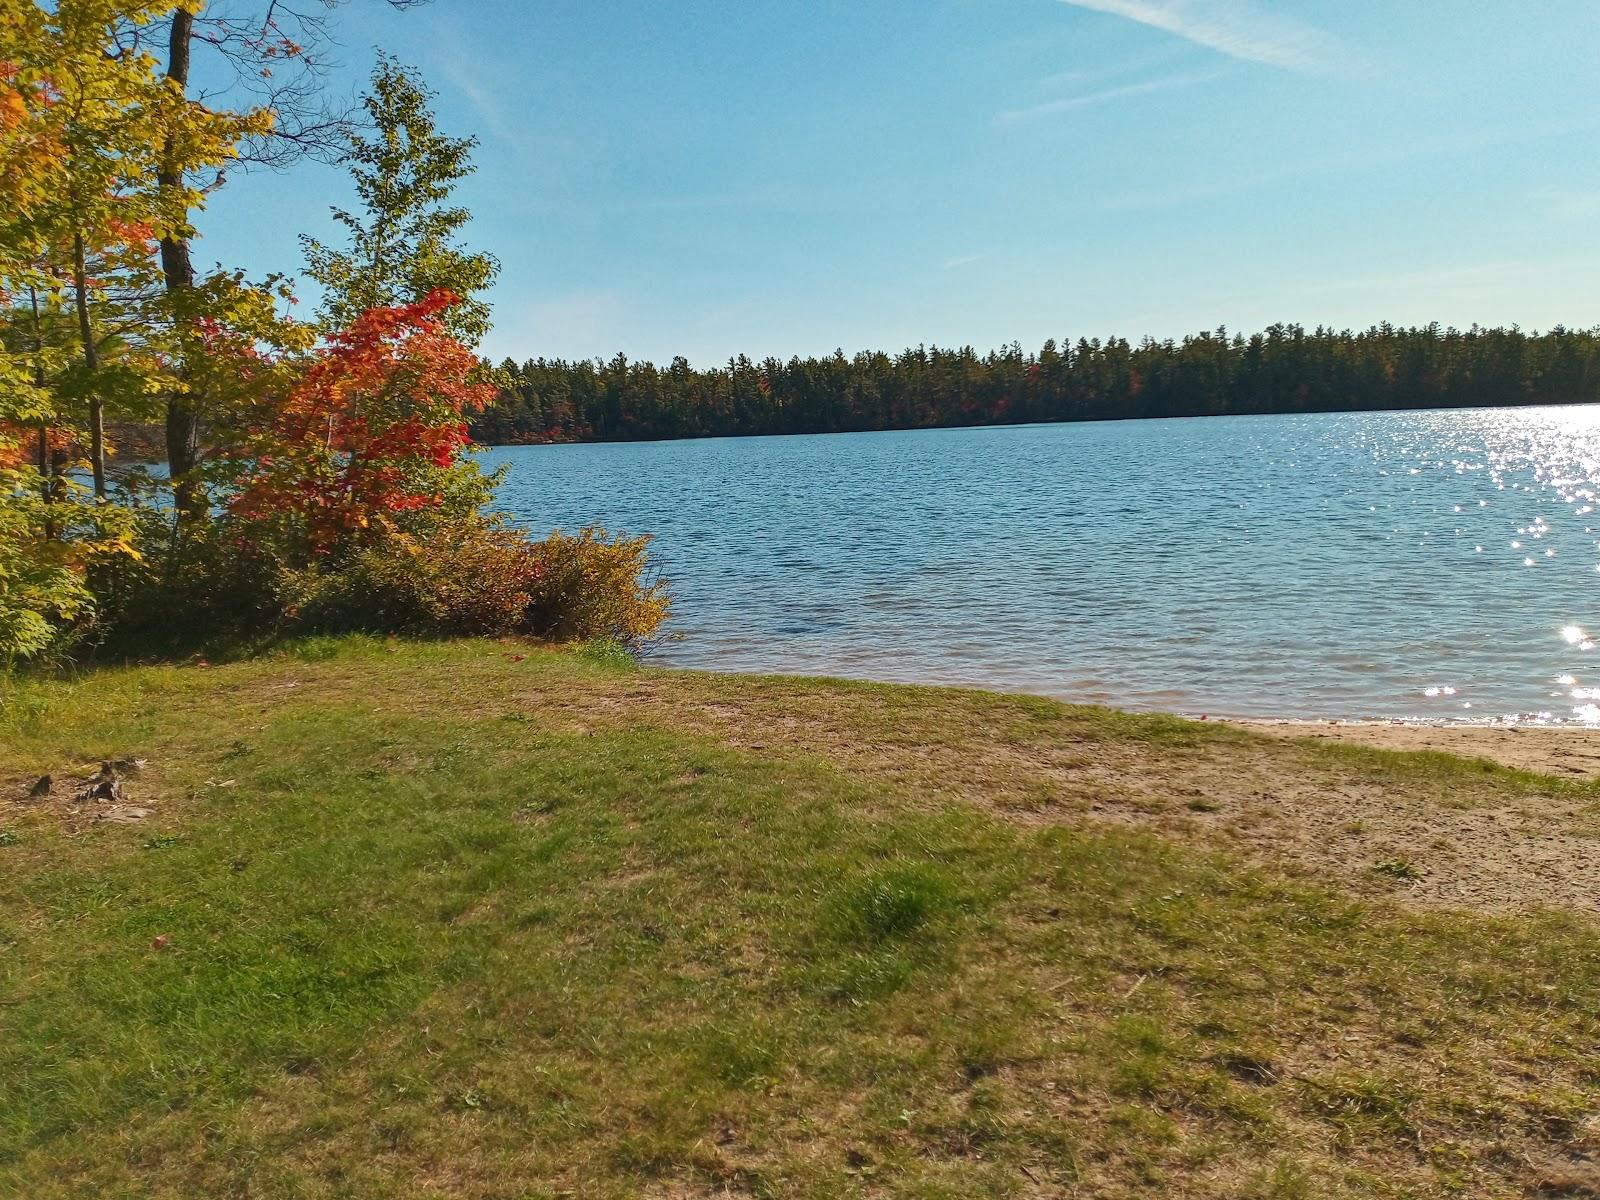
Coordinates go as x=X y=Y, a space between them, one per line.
x=1285 y=369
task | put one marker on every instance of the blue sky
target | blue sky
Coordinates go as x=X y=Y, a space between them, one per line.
x=706 y=177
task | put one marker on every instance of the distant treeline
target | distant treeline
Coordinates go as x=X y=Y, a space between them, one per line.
x=1286 y=369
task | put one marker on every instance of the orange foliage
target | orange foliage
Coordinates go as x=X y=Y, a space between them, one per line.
x=367 y=432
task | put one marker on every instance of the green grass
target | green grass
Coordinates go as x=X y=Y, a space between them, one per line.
x=1399 y=868
x=473 y=920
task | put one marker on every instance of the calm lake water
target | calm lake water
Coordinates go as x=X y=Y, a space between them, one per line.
x=1426 y=565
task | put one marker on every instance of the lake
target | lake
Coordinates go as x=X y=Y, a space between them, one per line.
x=1436 y=566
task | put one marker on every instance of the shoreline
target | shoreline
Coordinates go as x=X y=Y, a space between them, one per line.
x=1568 y=751
x=1564 y=751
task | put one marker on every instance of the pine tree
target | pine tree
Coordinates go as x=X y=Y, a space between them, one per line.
x=403 y=246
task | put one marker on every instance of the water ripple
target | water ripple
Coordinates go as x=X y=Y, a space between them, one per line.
x=1424 y=566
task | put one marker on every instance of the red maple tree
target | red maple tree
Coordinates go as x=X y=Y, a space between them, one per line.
x=367 y=432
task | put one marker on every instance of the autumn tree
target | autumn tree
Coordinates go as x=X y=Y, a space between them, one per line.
x=34 y=585
x=88 y=121
x=275 y=55
x=31 y=161
x=107 y=107
x=47 y=537
x=368 y=435
x=403 y=245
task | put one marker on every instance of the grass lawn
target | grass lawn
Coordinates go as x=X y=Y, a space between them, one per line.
x=477 y=920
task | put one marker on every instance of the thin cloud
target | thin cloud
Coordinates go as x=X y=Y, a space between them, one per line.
x=1237 y=28
x=1105 y=72
x=581 y=321
x=1364 y=160
x=1106 y=95
x=462 y=65
x=965 y=260
x=464 y=78
x=1568 y=205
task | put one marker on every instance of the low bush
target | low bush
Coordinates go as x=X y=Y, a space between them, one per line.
x=51 y=539
x=179 y=592
x=475 y=578
x=591 y=585
x=479 y=577
x=465 y=577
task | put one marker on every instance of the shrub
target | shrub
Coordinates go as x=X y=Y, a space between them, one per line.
x=183 y=590
x=48 y=551
x=463 y=577
x=595 y=586
x=39 y=592
x=470 y=577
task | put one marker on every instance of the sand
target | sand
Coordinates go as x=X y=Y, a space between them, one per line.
x=1567 y=753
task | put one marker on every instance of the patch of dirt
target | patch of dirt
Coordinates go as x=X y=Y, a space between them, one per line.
x=1514 y=852
x=83 y=796
x=1567 y=1179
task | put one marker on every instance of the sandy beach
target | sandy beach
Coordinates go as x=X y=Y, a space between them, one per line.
x=1568 y=753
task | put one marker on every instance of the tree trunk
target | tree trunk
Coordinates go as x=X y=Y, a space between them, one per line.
x=177 y=268
x=47 y=489
x=91 y=360
x=47 y=483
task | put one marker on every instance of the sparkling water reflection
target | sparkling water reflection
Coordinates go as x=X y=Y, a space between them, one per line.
x=1436 y=566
